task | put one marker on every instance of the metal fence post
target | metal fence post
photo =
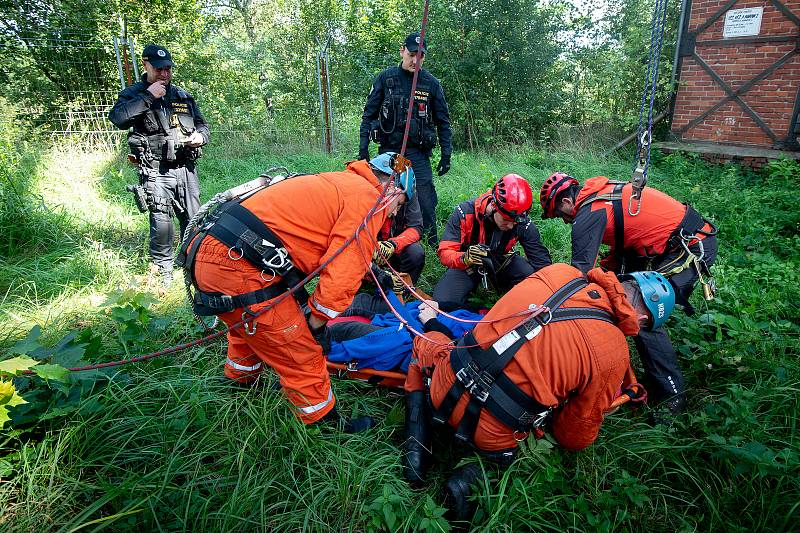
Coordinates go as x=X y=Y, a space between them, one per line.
x=324 y=87
x=119 y=63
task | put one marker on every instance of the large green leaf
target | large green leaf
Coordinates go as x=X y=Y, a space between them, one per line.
x=54 y=372
x=16 y=364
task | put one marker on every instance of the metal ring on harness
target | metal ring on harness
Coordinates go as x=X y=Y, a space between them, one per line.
x=235 y=258
x=518 y=439
x=274 y=275
x=247 y=324
x=549 y=316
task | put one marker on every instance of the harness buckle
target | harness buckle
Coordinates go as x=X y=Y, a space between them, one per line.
x=279 y=261
x=476 y=381
x=461 y=376
x=535 y=420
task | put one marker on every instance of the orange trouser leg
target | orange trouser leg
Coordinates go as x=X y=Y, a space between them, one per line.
x=282 y=340
x=242 y=365
x=426 y=353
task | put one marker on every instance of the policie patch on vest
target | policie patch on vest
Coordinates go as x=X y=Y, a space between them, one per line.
x=180 y=107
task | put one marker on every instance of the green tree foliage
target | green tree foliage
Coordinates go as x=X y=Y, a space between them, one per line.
x=610 y=61
x=511 y=69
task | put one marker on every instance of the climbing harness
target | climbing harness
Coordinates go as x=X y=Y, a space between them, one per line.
x=247 y=237
x=479 y=372
x=645 y=130
x=682 y=238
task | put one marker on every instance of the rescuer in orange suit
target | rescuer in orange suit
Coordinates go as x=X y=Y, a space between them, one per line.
x=559 y=370
x=310 y=217
x=665 y=235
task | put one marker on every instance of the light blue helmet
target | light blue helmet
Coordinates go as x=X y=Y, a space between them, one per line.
x=405 y=180
x=657 y=293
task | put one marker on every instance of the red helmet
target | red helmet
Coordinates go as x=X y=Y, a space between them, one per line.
x=513 y=197
x=551 y=188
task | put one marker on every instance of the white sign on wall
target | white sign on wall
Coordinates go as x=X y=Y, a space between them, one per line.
x=743 y=22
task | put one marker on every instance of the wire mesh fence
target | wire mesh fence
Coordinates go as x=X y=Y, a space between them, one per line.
x=290 y=94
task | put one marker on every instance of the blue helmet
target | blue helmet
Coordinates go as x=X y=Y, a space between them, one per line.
x=657 y=293
x=405 y=180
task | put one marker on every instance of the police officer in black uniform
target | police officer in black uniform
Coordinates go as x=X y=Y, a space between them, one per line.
x=167 y=131
x=384 y=122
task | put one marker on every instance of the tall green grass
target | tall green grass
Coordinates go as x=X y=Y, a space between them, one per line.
x=173 y=448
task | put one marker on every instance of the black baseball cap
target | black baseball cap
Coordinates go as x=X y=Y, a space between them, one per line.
x=413 y=43
x=158 y=56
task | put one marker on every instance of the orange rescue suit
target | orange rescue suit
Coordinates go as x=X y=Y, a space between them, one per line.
x=575 y=366
x=645 y=235
x=313 y=216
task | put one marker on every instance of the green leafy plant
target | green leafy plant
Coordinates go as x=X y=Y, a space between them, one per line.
x=50 y=391
x=130 y=310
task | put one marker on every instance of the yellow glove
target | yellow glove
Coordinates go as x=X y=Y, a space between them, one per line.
x=475 y=254
x=384 y=252
x=397 y=283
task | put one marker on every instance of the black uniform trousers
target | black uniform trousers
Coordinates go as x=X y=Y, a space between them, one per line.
x=456 y=285
x=426 y=191
x=411 y=261
x=175 y=191
x=655 y=348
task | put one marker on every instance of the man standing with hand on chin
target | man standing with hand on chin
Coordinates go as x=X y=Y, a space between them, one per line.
x=166 y=133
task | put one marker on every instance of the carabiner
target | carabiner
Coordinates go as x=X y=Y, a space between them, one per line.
x=249 y=327
x=638 y=206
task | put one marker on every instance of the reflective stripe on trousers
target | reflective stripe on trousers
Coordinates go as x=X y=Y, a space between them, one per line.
x=316 y=407
x=242 y=368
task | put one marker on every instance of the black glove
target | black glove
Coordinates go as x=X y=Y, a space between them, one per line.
x=388 y=280
x=363 y=153
x=444 y=165
x=323 y=337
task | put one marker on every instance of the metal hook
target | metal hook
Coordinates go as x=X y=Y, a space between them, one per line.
x=249 y=327
x=638 y=205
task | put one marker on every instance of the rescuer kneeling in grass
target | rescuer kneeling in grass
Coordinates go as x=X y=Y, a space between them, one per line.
x=655 y=232
x=551 y=354
x=250 y=251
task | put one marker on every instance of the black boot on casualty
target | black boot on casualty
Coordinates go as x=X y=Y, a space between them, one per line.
x=348 y=425
x=417 y=456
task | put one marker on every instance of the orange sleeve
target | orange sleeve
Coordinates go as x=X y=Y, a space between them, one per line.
x=340 y=280
x=627 y=321
x=405 y=238
x=576 y=424
x=450 y=255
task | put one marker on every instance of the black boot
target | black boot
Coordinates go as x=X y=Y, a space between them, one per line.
x=417 y=455
x=668 y=410
x=457 y=491
x=348 y=425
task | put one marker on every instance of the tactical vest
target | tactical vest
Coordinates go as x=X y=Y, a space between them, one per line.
x=162 y=133
x=389 y=127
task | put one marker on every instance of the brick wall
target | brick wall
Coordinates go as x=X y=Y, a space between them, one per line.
x=772 y=99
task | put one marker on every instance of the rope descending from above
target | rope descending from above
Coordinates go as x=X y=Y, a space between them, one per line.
x=644 y=135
